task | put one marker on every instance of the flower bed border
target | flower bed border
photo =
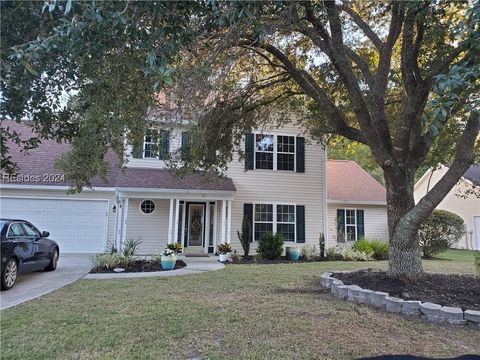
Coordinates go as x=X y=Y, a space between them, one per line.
x=432 y=312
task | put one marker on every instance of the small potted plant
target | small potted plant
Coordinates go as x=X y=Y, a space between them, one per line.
x=293 y=253
x=168 y=259
x=224 y=251
x=177 y=247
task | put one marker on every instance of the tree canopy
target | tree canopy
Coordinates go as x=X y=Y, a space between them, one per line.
x=401 y=78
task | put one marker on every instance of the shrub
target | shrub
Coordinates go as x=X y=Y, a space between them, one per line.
x=321 y=245
x=477 y=262
x=355 y=255
x=439 y=232
x=245 y=236
x=236 y=257
x=130 y=248
x=224 y=248
x=110 y=261
x=333 y=254
x=270 y=246
x=177 y=247
x=309 y=252
x=377 y=249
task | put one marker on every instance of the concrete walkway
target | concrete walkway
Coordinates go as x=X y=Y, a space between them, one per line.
x=71 y=267
x=195 y=265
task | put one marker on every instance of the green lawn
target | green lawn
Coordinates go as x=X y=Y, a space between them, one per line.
x=243 y=311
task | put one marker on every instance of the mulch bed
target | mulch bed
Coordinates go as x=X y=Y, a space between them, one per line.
x=282 y=260
x=140 y=266
x=447 y=290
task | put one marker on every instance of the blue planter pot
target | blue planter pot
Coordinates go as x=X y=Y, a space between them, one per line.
x=293 y=254
x=168 y=262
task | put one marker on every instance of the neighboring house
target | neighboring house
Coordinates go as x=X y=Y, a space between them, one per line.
x=458 y=201
x=279 y=186
x=357 y=206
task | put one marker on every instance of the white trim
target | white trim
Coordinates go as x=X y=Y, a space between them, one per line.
x=207 y=226
x=325 y=202
x=229 y=221
x=350 y=202
x=177 y=215
x=224 y=210
x=154 y=207
x=170 y=222
x=125 y=219
x=215 y=215
x=4 y=185
x=184 y=214
x=118 y=219
x=51 y=198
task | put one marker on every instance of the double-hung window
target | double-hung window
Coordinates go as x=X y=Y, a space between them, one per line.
x=350 y=224
x=286 y=153
x=264 y=150
x=156 y=144
x=263 y=220
x=286 y=221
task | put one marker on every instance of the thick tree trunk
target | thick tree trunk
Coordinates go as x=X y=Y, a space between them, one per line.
x=405 y=255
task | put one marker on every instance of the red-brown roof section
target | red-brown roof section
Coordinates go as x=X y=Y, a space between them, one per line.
x=348 y=182
x=37 y=168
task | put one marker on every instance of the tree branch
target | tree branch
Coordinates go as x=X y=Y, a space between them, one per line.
x=367 y=30
x=464 y=158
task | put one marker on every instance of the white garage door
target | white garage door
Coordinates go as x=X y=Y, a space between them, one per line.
x=79 y=226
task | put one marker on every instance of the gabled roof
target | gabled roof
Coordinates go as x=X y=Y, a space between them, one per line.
x=40 y=162
x=347 y=182
x=473 y=174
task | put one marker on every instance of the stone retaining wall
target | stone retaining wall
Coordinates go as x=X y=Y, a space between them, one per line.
x=432 y=312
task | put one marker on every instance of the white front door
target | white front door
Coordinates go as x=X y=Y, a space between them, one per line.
x=195 y=225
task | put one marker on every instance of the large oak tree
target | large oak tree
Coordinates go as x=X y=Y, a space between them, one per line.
x=401 y=78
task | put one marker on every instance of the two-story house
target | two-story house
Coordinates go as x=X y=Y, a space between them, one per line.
x=279 y=185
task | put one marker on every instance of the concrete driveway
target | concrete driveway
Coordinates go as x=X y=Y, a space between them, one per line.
x=71 y=267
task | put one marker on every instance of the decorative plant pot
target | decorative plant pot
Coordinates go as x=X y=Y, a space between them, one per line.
x=293 y=253
x=223 y=257
x=168 y=262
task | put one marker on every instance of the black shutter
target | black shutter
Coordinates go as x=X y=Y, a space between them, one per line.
x=340 y=225
x=248 y=214
x=137 y=151
x=164 y=148
x=300 y=154
x=249 y=151
x=360 y=225
x=186 y=140
x=300 y=223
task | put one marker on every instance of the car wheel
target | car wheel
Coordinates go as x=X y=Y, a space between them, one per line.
x=9 y=275
x=53 y=261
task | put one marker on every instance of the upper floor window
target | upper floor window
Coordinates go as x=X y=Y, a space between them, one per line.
x=156 y=144
x=275 y=152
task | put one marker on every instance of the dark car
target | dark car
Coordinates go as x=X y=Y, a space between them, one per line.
x=25 y=249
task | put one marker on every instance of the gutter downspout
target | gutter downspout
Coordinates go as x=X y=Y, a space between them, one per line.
x=325 y=205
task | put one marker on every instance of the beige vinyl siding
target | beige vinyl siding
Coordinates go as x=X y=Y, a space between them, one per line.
x=282 y=187
x=152 y=228
x=375 y=222
x=467 y=208
x=61 y=194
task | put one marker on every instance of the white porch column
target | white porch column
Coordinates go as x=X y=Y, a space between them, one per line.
x=118 y=224
x=229 y=221
x=184 y=211
x=177 y=218
x=124 y=227
x=215 y=226
x=224 y=210
x=207 y=226
x=170 y=222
